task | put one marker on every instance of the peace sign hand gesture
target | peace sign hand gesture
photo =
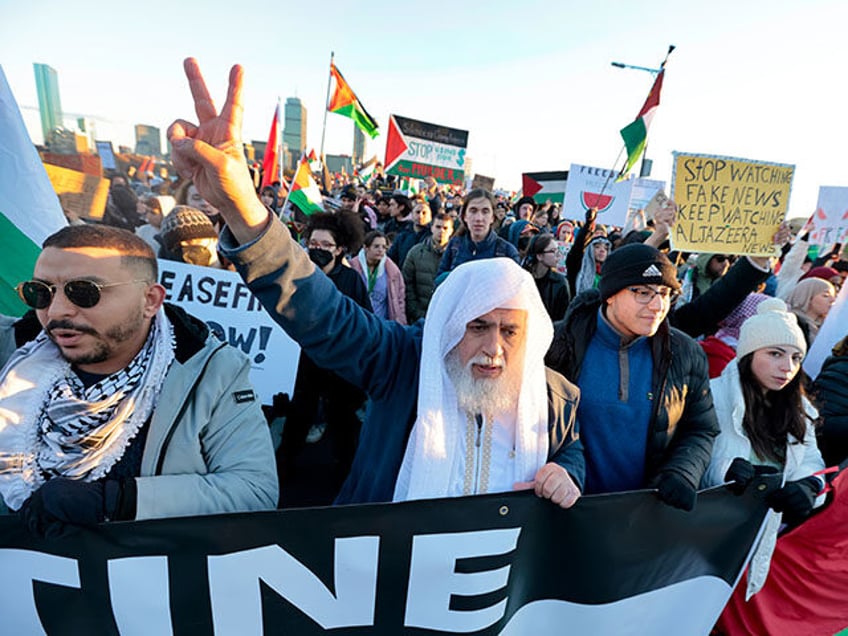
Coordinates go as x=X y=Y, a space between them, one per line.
x=212 y=156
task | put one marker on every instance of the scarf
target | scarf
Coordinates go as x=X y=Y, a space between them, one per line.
x=52 y=426
x=371 y=277
x=432 y=461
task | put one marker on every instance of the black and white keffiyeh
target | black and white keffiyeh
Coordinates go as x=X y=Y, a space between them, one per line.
x=51 y=425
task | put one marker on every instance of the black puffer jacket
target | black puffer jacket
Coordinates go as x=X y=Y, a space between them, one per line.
x=683 y=422
x=831 y=393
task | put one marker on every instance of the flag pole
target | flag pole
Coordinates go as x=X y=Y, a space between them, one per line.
x=326 y=105
x=671 y=48
x=279 y=142
x=291 y=185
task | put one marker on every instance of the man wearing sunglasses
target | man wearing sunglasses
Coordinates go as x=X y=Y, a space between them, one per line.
x=124 y=407
x=646 y=414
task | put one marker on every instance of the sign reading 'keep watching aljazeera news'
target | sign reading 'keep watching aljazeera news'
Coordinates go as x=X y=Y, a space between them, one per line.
x=728 y=205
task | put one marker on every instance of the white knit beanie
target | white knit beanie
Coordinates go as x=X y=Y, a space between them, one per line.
x=772 y=326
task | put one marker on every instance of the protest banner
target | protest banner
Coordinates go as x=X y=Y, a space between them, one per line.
x=728 y=205
x=480 y=181
x=831 y=217
x=417 y=149
x=589 y=187
x=81 y=194
x=544 y=186
x=509 y=563
x=222 y=300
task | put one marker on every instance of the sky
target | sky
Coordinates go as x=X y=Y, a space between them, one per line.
x=533 y=84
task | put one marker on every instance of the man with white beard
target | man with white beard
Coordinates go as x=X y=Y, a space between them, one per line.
x=489 y=417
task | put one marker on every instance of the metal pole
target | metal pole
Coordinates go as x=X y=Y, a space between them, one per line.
x=326 y=106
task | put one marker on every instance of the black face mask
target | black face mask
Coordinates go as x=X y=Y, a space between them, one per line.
x=320 y=257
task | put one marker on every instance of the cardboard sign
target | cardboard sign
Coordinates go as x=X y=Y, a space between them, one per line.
x=222 y=300
x=81 y=194
x=728 y=205
x=479 y=181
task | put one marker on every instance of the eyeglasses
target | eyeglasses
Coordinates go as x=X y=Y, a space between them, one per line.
x=83 y=293
x=644 y=295
x=323 y=245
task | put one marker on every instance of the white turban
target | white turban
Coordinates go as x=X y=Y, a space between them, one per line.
x=473 y=289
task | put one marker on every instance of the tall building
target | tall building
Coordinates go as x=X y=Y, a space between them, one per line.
x=49 y=104
x=294 y=129
x=358 y=145
x=148 y=141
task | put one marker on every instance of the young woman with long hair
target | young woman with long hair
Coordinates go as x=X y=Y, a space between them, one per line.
x=766 y=423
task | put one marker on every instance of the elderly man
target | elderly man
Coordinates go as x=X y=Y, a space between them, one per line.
x=647 y=414
x=488 y=418
x=122 y=408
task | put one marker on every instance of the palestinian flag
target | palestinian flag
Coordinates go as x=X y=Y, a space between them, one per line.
x=367 y=170
x=635 y=134
x=271 y=160
x=304 y=191
x=543 y=186
x=29 y=207
x=345 y=102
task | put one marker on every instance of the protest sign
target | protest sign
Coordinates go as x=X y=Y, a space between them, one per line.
x=643 y=191
x=81 y=194
x=589 y=187
x=510 y=564
x=107 y=154
x=417 y=149
x=728 y=205
x=222 y=300
x=479 y=181
x=831 y=217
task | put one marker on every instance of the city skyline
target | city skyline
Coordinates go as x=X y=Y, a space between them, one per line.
x=533 y=85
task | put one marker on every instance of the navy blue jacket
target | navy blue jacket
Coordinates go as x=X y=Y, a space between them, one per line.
x=381 y=357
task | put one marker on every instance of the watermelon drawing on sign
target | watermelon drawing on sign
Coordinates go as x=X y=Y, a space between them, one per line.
x=596 y=200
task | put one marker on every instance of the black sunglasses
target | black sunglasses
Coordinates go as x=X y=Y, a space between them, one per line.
x=83 y=293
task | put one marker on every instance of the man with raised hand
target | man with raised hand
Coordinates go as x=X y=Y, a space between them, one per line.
x=489 y=417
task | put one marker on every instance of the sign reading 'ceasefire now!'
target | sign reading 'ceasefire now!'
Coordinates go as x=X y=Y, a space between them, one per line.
x=416 y=149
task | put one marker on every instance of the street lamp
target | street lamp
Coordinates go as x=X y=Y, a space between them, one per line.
x=645 y=166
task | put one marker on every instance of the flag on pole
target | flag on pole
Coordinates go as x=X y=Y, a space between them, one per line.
x=366 y=171
x=635 y=134
x=314 y=164
x=345 y=102
x=304 y=191
x=29 y=207
x=271 y=160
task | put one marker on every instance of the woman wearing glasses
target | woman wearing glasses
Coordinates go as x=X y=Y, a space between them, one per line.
x=541 y=261
x=766 y=423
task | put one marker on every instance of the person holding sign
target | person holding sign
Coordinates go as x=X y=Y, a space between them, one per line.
x=124 y=407
x=488 y=416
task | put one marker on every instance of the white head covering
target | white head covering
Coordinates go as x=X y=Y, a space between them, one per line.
x=432 y=458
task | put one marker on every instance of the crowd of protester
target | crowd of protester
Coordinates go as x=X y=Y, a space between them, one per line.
x=669 y=370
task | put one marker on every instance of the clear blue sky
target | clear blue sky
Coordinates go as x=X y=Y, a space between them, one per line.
x=532 y=83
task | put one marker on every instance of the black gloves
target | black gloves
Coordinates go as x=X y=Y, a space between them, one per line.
x=796 y=498
x=61 y=501
x=741 y=472
x=676 y=491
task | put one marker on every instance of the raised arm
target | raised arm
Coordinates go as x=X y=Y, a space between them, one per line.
x=210 y=153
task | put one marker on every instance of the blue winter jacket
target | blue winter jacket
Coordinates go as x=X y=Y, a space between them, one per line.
x=381 y=357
